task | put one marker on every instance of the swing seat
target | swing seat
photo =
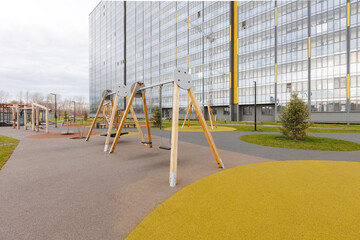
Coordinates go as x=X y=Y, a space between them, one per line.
x=165 y=148
x=145 y=142
x=113 y=134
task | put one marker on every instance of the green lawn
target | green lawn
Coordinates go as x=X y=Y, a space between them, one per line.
x=309 y=143
x=7 y=146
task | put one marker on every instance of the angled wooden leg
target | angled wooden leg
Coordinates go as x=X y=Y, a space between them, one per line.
x=32 y=117
x=136 y=121
x=96 y=117
x=209 y=110
x=146 y=119
x=113 y=113
x=213 y=118
x=128 y=106
x=174 y=136
x=187 y=113
x=190 y=107
x=205 y=128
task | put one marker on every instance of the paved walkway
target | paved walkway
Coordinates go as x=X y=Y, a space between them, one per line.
x=71 y=189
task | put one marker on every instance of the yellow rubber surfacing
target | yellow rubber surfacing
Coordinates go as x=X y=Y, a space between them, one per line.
x=272 y=200
x=199 y=129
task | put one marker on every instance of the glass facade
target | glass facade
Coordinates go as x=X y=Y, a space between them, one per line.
x=145 y=41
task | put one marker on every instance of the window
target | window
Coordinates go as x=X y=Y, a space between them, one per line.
x=267 y=110
x=247 y=110
x=226 y=111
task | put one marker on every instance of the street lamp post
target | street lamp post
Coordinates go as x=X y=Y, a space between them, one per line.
x=255 y=108
x=55 y=110
x=74 y=111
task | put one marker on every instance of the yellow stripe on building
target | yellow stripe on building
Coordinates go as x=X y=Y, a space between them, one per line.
x=348 y=14
x=275 y=72
x=309 y=47
x=348 y=86
x=275 y=16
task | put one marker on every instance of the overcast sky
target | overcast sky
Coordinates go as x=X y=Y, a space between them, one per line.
x=44 y=46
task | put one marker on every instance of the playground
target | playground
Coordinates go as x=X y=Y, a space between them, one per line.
x=110 y=179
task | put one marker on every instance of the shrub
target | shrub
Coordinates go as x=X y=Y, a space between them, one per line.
x=294 y=118
x=85 y=116
x=155 y=118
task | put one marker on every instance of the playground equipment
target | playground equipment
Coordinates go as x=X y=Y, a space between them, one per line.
x=182 y=79
x=112 y=98
x=35 y=116
x=211 y=116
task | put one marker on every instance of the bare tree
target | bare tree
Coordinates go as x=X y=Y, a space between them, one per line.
x=4 y=96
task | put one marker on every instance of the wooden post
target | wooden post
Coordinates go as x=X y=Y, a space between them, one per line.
x=187 y=113
x=205 y=128
x=128 y=106
x=32 y=117
x=138 y=127
x=174 y=136
x=37 y=118
x=209 y=110
x=13 y=116
x=67 y=126
x=113 y=113
x=190 y=114
x=146 y=118
x=96 y=117
x=47 y=119
x=25 y=120
x=18 y=116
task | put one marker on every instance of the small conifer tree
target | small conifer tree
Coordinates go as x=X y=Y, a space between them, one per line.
x=294 y=118
x=85 y=116
x=155 y=118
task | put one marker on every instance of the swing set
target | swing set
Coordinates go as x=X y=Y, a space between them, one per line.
x=211 y=116
x=182 y=79
x=112 y=98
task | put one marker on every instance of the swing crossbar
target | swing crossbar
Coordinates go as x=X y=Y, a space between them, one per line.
x=156 y=85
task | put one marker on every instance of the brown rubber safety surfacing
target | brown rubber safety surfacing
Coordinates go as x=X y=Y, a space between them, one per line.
x=59 y=135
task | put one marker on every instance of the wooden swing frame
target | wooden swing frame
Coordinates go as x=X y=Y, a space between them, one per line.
x=211 y=116
x=182 y=79
x=114 y=98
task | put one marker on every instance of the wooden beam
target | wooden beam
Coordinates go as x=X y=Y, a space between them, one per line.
x=111 y=123
x=187 y=113
x=123 y=119
x=138 y=127
x=205 y=128
x=146 y=118
x=96 y=117
x=40 y=106
x=174 y=136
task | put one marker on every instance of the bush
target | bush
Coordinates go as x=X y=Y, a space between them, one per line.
x=294 y=118
x=155 y=118
x=85 y=116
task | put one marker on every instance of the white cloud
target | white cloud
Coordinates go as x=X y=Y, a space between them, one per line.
x=44 y=46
